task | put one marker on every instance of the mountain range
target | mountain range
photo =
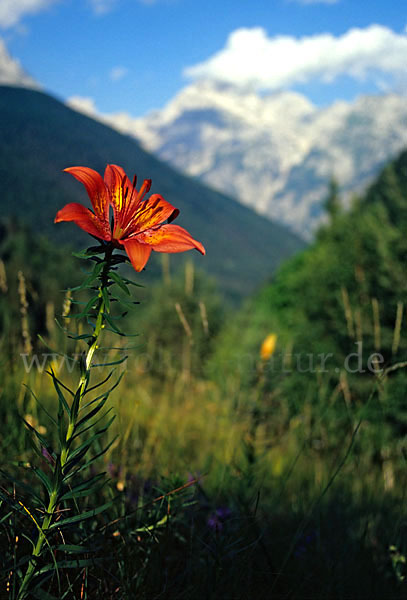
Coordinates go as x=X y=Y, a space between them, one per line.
x=40 y=136
x=275 y=153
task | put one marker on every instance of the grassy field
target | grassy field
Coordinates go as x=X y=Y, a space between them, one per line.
x=224 y=487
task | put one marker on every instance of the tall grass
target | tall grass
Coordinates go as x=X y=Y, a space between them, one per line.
x=272 y=498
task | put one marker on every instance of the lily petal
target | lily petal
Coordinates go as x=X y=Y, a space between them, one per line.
x=96 y=188
x=138 y=253
x=85 y=219
x=169 y=238
x=120 y=188
x=151 y=213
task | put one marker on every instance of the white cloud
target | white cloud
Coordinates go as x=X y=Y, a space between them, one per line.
x=118 y=73
x=101 y=7
x=11 y=72
x=12 y=11
x=251 y=58
x=83 y=104
x=121 y=121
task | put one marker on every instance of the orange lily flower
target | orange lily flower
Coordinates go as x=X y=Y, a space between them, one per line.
x=138 y=224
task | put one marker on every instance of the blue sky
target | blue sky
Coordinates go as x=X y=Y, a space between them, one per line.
x=135 y=55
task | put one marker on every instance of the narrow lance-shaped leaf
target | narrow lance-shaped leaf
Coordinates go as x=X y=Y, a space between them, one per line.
x=112 y=363
x=43 y=478
x=105 y=394
x=94 y=387
x=82 y=517
x=120 y=282
x=87 y=486
x=106 y=300
x=93 y=459
x=82 y=449
x=93 y=412
x=40 y=404
x=61 y=398
x=92 y=424
x=94 y=275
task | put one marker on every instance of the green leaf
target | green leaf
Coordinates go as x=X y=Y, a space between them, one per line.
x=117 y=279
x=50 y=348
x=34 y=446
x=130 y=282
x=76 y=404
x=84 y=493
x=83 y=336
x=61 y=398
x=76 y=457
x=69 y=564
x=93 y=424
x=74 y=549
x=112 y=325
x=6 y=571
x=106 y=393
x=90 y=304
x=84 y=488
x=60 y=383
x=92 y=251
x=27 y=488
x=6 y=517
x=44 y=442
x=94 y=458
x=106 y=300
x=111 y=364
x=40 y=404
x=94 y=387
x=82 y=449
x=149 y=528
x=94 y=411
x=123 y=301
x=94 y=275
x=43 y=478
x=82 y=517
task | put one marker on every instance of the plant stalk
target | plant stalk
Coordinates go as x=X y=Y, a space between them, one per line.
x=64 y=457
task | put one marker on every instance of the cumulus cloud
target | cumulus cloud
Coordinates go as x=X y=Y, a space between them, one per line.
x=252 y=58
x=121 y=121
x=118 y=73
x=83 y=104
x=12 y=11
x=11 y=72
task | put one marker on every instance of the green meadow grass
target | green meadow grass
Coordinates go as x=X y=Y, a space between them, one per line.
x=273 y=504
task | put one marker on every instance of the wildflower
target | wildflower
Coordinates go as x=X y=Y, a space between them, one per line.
x=138 y=224
x=268 y=346
x=217 y=519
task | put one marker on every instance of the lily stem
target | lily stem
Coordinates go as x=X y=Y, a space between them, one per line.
x=65 y=450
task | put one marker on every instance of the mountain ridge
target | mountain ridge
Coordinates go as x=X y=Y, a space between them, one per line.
x=274 y=153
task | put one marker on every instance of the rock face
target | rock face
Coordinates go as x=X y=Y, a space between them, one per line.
x=274 y=153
